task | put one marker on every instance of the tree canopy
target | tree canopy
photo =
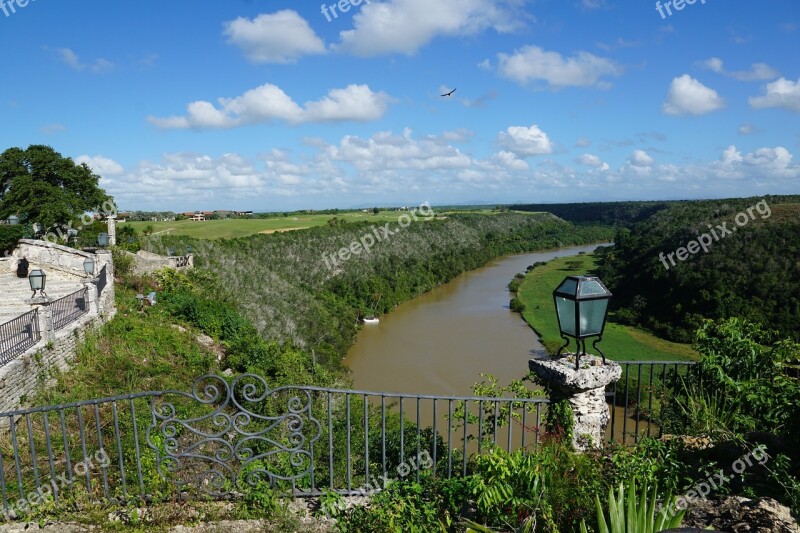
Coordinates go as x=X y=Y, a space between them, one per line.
x=41 y=186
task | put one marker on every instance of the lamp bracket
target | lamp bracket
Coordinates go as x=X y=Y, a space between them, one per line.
x=566 y=343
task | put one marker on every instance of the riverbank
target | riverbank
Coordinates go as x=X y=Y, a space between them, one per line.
x=620 y=343
x=441 y=341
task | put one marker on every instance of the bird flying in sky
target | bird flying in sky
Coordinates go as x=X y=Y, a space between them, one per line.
x=450 y=93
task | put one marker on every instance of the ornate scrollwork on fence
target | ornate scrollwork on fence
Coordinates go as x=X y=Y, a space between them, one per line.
x=248 y=434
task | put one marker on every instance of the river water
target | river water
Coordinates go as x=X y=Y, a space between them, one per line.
x=440 y=342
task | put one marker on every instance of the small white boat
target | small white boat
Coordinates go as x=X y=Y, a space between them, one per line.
x=371 y=320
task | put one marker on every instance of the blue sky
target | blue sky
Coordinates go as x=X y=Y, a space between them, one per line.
x=267 y=105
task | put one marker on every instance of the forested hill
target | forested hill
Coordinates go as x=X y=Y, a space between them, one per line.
x=284 y=284
x=610 y=213
x=750 y=271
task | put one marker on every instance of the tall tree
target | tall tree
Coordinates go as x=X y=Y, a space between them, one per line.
x=41 y=186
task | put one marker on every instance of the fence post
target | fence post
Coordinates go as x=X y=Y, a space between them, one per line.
x=584 y=389
x=45 y=314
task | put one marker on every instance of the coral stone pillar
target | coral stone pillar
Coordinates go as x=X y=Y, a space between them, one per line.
x=112 y=230
x=585 y=389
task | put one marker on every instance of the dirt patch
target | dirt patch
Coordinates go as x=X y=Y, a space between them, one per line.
x=281 y=230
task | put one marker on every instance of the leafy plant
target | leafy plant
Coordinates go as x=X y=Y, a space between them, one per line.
x=639 y=515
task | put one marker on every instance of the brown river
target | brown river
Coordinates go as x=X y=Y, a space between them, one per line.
x=440 y=342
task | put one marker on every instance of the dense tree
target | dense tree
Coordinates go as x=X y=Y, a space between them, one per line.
x=753 y=273
x=288 y=285
x=41 y=186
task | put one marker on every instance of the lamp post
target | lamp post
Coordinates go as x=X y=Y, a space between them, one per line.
x=102 y=239
x=582 y=308
x=88 y=266
x=37 y=280
x=13 y=220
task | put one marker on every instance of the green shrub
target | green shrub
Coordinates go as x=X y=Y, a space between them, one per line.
x=639 y=515
x=123 y=263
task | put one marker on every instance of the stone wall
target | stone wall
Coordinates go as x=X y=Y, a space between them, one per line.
x=147 y=262
x=21 y=377
x=53 y=256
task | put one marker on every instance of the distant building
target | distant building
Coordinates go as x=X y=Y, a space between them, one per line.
x=195 y=216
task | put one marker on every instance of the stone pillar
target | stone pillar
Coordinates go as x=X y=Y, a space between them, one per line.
x=46 y=327
x=584 y=389
x=112 y=230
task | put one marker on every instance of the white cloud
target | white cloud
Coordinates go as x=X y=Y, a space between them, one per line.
x=533 y=64
x=405 y=26
x=510 y=161
x=758 y=71
x=592 y=5
x=591 y=160
x=687 y=96
x=386 y=151
x=747 y=129
x=268 y=103
x=524 y=141
x=71 y=59
x=640 y=158
x=280 y=37
x=763 y=163
x=388 y=167
x=781 y=93
x=102 y=166
x=583 y=142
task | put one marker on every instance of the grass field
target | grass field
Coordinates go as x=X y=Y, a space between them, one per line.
x=226 y=229
x=620 y=343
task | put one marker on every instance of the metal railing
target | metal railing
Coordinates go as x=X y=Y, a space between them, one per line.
x=642 y=397
x=182 y=261
x=70 y=308
x=18 y=334
x=229 y=434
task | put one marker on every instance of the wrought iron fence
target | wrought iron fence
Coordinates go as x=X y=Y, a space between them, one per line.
x=229 y=434
x=18 y=334
x=643 y=399
x=70 y=308
x=182 y=261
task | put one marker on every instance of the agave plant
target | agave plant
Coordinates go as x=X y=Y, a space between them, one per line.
x=639 y=516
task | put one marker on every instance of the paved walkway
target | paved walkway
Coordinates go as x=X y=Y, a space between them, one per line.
x=14 y=291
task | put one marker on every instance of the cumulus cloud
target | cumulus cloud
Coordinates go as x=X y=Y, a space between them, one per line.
x=387 y=151
x=781 y=93
x=532 y=64
x=102 y=166
x=405 y=26
x=268 y=103
x=687 y=96
x=525 y=141
x=757 y=71
x=775 y=163
x=401 y=167
x=640 y=158
x=71 y=59
x=591 y=160
x=280 y=37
